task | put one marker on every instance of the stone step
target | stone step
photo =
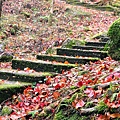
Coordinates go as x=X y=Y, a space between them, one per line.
x=41 y=66
x=88 y=47
x=24 y=76
x=84 y=53
x=73 y=60
x=9 y=88
x=6 y=58
x=99 y=44
x=104 y=39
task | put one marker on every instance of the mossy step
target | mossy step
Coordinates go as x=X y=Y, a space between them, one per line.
x=98 y=44
x=88 y=47
x=5 y=58
x=84 y=53
x=41 y=66
x=62 y=59
x=9 y=88
x=104 y=39
x=93 y=6
x=20 y=75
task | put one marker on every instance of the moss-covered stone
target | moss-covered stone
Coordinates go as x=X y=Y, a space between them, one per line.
x=98 y=44
x=83 y=53
x=7 y=90
x=70 y=59
x=23 y=76
x=6 y=58
x=114 y=34
x=99 y=6
x=88 y=47
x=70 y=42
x=41 y=66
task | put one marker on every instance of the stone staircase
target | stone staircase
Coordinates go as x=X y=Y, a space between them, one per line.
x=31 y=71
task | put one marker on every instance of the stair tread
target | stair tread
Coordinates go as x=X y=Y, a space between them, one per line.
x=84 y=53
x=96 y=42
x=12 y=84
x=63 y=56
x=28 y=72
x=97 y=51
x=102 y=47
x=91 y=43
x=40 y=65
x=69 y=59
x=10 y=88
x=24 y=76
x=45 y=62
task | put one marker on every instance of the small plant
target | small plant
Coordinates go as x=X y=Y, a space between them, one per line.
x=14 y=29
x=6 y=110
x=101 y=107
x=50 y=50
x=26 y=14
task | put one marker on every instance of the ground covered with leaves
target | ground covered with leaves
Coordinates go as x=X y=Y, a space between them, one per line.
x=25 y=30
x=87 y=92
x=90 y=91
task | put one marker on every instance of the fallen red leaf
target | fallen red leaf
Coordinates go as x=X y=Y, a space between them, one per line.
x=79 y=84
x=80 y=103
x=57 y=86
x=103 y=117
x=56 y=95
x=115 y=115
x=90 y=92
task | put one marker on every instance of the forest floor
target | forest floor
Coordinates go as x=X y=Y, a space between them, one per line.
x=83 y=93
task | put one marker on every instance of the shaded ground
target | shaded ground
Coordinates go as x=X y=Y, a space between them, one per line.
x=25 y=30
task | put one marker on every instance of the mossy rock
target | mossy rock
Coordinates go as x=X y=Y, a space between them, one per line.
x=114 y=34
x=68 y=43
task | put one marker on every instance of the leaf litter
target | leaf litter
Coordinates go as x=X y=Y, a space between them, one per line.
x=94 y=79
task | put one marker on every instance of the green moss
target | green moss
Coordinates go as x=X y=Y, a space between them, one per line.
x=83 y=72
x=5 y=58
x=42 y=66
x=62 y=59
x=89 y=104
x=85 y=53
x=70 y=42
x=101 y=107
x=23 y=76
x=62 y=116
x=98 y=35
x=26 y=14
x=12 y=86
x=6 y=110
x=114 y=43
x=67 y=112
x=7 y=90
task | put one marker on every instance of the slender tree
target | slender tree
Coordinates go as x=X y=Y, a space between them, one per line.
x=0 y=8
x=50 y=19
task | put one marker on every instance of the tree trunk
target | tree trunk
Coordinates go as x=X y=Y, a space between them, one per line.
x=0 y=8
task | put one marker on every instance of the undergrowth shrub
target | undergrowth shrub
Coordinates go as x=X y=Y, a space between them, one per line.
x=114 y=44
